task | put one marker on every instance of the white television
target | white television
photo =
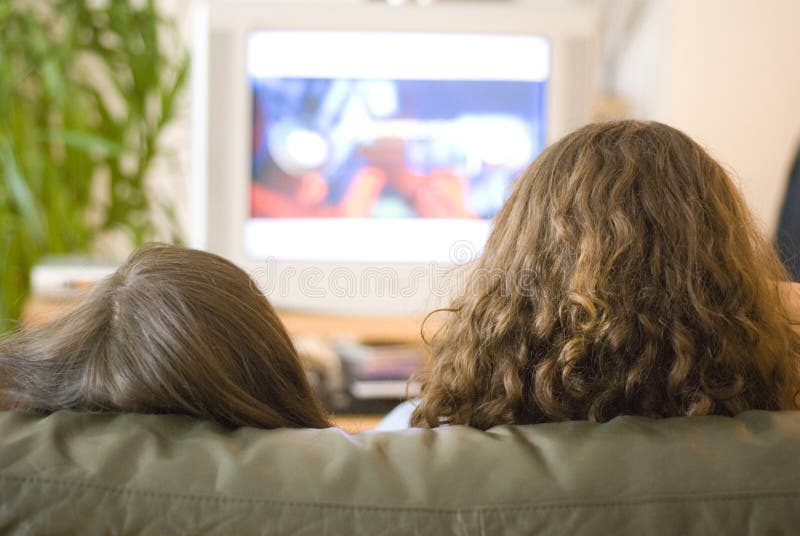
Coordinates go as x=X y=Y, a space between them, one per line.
x=350 y=154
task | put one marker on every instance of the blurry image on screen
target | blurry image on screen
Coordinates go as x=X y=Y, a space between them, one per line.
x=405 y=133
x=390 y=148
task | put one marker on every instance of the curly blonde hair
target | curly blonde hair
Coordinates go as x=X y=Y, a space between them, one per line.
x=624 y=275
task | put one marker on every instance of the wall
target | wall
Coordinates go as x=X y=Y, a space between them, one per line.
x=168 y=178
x=727 y=72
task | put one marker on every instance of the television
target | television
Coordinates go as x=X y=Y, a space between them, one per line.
x=350 y=155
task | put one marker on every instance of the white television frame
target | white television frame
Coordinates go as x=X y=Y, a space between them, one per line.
x=221 y=130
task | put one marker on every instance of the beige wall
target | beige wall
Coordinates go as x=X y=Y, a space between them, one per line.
x=727 y=72
x=169 y=176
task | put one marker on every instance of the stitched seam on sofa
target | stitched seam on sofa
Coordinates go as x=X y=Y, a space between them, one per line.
x=731 y=497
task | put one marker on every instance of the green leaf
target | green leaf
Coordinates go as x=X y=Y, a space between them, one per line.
x=84 y=141
x=86 y=88
x=20 y=192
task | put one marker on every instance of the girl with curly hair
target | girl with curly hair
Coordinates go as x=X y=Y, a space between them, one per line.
x=624 y=276
x=174 y=330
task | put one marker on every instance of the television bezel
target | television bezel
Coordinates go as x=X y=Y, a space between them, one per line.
x=221 y=173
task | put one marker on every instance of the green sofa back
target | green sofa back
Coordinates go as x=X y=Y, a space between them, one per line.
x=86 y=473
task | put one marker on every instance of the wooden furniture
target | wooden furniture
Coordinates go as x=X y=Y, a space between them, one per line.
x=41 y=310
x=353 y=424
x=362 y=328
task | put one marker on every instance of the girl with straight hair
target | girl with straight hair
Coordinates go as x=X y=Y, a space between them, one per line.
x=174 y=330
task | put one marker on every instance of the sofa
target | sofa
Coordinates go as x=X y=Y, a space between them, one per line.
x=84 y=473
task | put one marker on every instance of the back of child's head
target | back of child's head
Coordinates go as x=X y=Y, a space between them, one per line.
x=624 y=275
x=174 y=330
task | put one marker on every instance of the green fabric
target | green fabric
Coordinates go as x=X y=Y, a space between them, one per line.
x=143 y=474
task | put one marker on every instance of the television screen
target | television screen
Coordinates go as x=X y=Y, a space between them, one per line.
x=387 y=146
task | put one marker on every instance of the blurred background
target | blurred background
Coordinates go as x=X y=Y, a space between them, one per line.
x=96 y=129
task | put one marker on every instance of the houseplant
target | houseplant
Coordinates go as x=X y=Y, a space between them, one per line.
x=86 y=89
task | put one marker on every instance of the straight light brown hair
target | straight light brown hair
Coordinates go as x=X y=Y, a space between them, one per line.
x=174 y=330
x=624 y=275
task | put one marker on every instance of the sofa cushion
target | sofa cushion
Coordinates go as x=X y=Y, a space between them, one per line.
x=152 y=474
